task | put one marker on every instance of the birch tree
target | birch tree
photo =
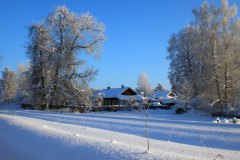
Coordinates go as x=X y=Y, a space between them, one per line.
x=229 y=50
x=208 y=58
x=219 y=34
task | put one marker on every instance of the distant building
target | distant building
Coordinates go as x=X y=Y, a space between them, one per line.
x=118 y=96
x=165 y=97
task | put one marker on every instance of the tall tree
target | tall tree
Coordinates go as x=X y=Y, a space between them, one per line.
x=39 y=49
x=143 y=84
x=72 y=35
x=208 y=58
x=58 y=44
x=183 y=64
x=209 y=27
x=220 y=36
x=229 y=50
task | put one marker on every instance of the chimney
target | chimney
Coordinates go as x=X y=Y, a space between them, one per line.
x=108 y=87
x=122 y=86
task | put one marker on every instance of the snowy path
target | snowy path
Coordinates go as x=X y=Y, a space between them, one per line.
x=48 y=135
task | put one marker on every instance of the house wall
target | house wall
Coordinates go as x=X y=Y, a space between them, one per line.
x=110 y=101
x=129 y=92
x=113 y=101
x=171 y=95
x=123 y=102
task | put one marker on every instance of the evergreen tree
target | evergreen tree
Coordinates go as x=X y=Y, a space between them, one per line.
x=159 y=88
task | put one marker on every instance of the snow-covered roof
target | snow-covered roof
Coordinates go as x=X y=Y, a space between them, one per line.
x=117 y=93
x=163 y=95
x=113 y=92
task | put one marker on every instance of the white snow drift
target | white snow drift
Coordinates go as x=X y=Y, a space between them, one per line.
x=120 y=135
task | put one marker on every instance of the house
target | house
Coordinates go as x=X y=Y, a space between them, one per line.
x=118 y=96
x=165 y=97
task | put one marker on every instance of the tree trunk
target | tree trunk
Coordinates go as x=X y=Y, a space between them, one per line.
x=56 y=87
x=42 y=81
x=217 y=82
x=225 y=84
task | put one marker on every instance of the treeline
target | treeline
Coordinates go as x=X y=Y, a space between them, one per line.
x=205 y=58
x=57 y=74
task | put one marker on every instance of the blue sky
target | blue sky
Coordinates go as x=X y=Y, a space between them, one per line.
x=137 y=34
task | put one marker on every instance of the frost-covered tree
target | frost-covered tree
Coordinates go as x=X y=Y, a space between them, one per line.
x=56 y=46
x=8 y=85
x=182 y=56
x=212 y=67
x=39 y=53
x=229 y=52
x=72 y=35
x=186 y=93
x=143 y=85
x=219 y=34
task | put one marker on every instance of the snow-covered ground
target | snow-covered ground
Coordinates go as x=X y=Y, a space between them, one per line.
x=40 y=135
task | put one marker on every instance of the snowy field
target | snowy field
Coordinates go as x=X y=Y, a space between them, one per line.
x=41 y=135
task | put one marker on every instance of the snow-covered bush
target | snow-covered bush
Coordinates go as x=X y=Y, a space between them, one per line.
x=225 y=121
x=218 y=120
x=180 y=110
x=235 y=120
x=201 y=102
x=181 y=107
